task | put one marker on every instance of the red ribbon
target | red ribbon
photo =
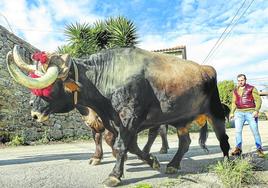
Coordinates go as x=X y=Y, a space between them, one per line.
x=40 y=56
x=46 y=92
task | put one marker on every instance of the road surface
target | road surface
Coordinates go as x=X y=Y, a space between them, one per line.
x=66 y=165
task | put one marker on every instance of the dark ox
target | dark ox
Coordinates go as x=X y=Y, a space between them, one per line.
x=131 y=90
x=163 y=130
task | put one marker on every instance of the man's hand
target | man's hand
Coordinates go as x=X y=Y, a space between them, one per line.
x=255 y=114
x=231 y=116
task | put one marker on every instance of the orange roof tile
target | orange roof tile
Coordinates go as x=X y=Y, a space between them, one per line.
x=170 y=49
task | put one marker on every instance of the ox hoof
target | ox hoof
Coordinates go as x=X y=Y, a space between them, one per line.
x=111 y=181
x=156 y=164
x=163 y=151
x=94 y=161
x=171 y=170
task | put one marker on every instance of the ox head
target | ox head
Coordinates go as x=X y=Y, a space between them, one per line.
x=52 y=90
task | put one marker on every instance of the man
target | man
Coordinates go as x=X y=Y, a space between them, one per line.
x=246 y=104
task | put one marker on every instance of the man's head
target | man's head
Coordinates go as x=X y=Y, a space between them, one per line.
x=241 y=80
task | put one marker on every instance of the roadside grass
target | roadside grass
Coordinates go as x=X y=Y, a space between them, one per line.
x=235 y=173
x=266 y=156
x=143 y=185
x=20 y=140
x=170 y=183
x=17 y=141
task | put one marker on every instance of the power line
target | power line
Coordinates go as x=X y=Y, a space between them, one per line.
x=7 y=22
x=212 y=49
x=219 y=41
x=232 y=28
x=45 y=31
x=61 y=31
x=259 y=79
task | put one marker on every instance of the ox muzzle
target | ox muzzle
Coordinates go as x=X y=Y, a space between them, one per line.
x=39 y=117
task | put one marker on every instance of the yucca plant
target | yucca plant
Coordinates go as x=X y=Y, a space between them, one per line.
x=101 y=36
x=66 y=49
x=122 y=32
x=84 y=39
x=79 y=39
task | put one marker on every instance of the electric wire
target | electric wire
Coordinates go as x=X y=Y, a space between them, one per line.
x=229 y=32
x=219 y=41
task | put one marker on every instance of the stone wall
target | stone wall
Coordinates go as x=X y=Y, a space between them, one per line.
x=15 y=116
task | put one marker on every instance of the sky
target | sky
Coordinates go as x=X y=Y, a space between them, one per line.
x=197 y=24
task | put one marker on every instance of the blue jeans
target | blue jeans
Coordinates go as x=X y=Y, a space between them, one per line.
x=240 y=118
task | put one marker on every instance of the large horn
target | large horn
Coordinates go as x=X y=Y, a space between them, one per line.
x=34 y=83
x=20 y=62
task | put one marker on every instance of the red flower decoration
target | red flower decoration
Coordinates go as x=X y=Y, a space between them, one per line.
x=40 y=56
x=46 y=92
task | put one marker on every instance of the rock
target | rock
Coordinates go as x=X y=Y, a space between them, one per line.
x=55 y=134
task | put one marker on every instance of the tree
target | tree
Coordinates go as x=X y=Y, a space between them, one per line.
x=226 y=88
x=84 y=39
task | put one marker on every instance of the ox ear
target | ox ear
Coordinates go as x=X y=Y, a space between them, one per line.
x=71 y=86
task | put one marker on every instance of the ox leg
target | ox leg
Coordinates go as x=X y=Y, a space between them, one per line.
x=97 y=156
x=110 y=139
x=219 y=129
x=151 y=138
x=163 y=134
x=148 y=158
x=115 y=176
x=184 y=143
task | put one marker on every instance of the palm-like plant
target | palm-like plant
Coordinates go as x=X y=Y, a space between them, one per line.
x=66 y=49
x=122 y=32
x=101 y=36
x=77 y=37
x=85 y=40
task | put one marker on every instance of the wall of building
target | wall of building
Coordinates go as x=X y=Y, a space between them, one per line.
x=15 y=116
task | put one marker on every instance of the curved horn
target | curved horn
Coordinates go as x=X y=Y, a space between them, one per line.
x=20 y=62
x=34 y=83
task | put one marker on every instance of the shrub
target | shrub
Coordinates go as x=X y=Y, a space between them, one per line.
x=262 y=116
x=17 y=141
x=234 y=173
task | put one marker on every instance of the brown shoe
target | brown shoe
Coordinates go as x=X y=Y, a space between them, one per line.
x=237 y=152
x=260 y=153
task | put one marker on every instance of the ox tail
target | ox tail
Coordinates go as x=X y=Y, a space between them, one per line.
x=203 y=135
x=226 y=111
x=216 y=107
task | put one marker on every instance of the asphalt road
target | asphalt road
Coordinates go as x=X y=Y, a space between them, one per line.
x=66 y=165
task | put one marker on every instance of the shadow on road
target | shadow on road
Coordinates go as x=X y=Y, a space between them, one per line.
x=189 y=164
x=51 y=157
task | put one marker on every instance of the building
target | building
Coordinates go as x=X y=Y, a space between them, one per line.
x=179 y=51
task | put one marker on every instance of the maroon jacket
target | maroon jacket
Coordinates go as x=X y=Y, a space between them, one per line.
x=246 y=100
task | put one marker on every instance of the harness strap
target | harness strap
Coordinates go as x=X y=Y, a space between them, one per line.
x=76 y=80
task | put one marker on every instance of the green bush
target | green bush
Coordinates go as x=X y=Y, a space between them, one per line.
x=262 y=116
x=4 y=137
x=226 y=88
x=17 y=140
x=234 y=173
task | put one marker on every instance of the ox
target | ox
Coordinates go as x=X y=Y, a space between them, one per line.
x=131 y=90
x=164 y=129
